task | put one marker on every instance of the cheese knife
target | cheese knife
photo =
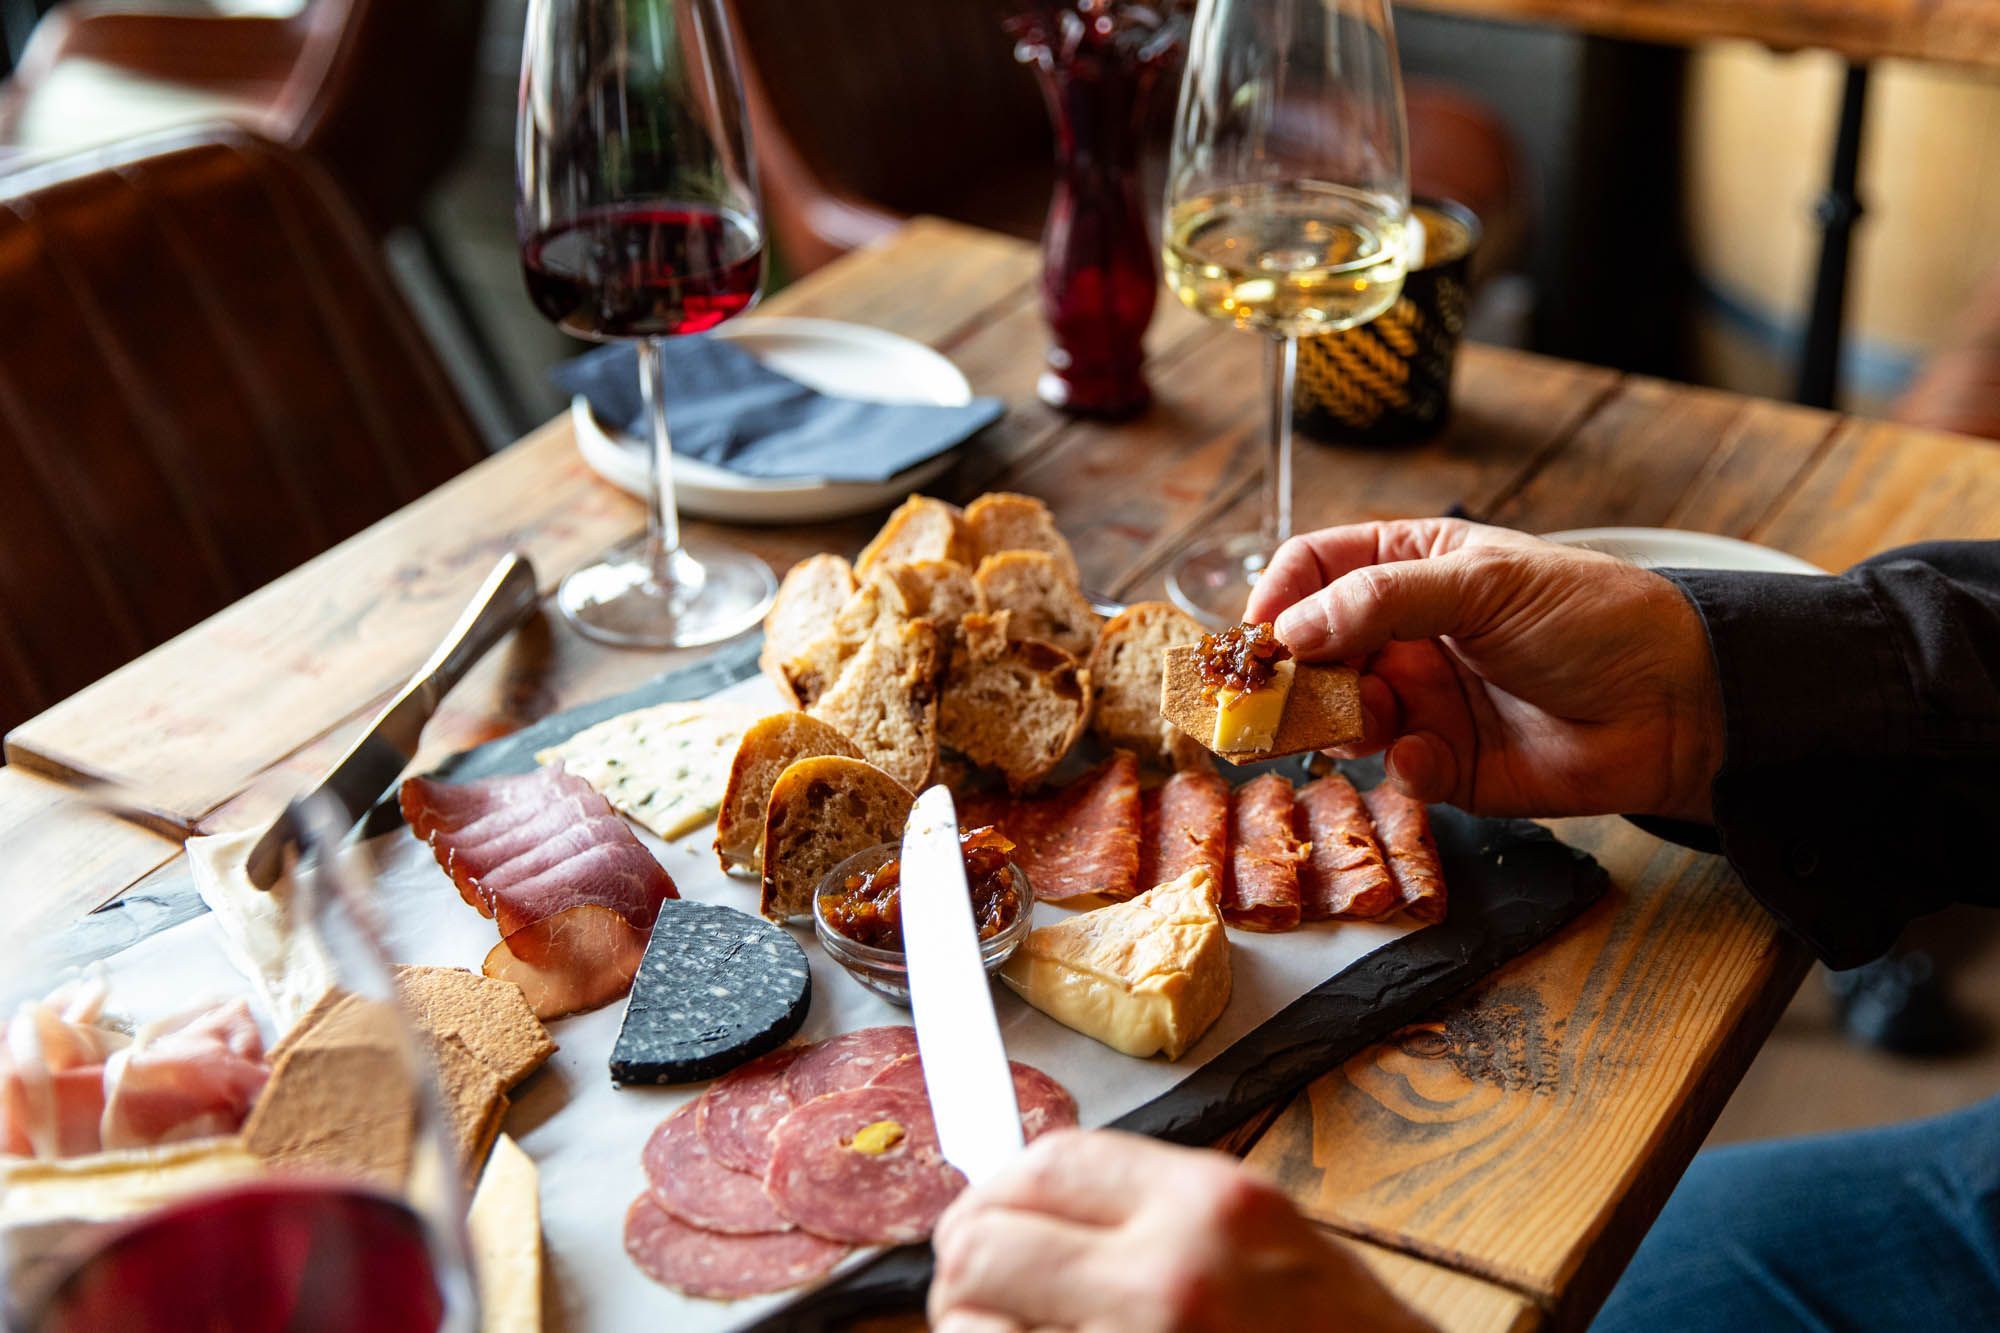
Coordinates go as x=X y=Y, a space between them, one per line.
x=964 y=1061
x=385 y=749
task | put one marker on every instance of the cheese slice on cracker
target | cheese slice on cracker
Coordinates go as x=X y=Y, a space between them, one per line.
x=666 y=766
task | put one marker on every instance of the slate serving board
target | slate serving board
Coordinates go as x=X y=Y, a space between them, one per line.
x=1512 y=885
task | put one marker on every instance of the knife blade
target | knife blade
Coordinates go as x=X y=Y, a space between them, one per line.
x=964 y=1061
x=385 y=749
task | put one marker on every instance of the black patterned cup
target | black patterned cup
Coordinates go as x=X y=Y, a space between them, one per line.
x=1389 y=381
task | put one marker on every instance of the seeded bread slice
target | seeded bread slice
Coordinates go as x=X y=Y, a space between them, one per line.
x=1322 y=710
x=813 y=591
x=1002 y=521
x=1016 y=705
x=922 y=528
x=822 y=811
x=1125 y=670
x=1042 y=598
x=886 y=701
x=769 y=747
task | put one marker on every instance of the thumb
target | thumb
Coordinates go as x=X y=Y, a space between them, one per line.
x=1358 y=613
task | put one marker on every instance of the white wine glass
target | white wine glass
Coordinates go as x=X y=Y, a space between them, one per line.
x=639 y=221
x=1287 y=202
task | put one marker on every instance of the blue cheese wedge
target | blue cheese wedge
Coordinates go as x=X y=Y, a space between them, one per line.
x=666 y=767
x=1145 y=977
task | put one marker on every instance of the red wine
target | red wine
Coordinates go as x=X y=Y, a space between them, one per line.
x=287 y=1258
x=644 y=271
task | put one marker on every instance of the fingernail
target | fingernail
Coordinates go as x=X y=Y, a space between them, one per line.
x=1301 y=627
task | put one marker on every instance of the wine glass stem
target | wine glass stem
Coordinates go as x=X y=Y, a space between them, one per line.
x=1278 y=471
x=663 y=519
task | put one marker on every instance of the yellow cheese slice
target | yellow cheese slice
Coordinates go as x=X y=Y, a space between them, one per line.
x=1144 y=977
x=504 y=1227
x=1247 y=720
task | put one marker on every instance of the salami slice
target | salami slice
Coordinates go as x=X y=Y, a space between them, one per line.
x=1044 y=1103
x=1344 y=873
x=1079 y=839
x=717 y=1266
x=862 y=1166
x=847 y=1061
x=1403 y=826
x=1185 y=825
x=688 y=1182
x=1261 y=891
x=737 y=1112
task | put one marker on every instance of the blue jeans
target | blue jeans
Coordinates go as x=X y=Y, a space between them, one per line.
x=1892 y=1228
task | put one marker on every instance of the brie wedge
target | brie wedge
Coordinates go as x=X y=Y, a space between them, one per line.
x=1247 y=720
x=1144 y=977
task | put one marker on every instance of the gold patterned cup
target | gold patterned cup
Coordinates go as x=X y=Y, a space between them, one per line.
x=1389 y=381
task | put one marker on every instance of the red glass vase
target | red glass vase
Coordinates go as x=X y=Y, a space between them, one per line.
x=1098 y=62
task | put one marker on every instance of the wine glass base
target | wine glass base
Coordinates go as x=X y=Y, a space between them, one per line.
x=1211 y=580
x=712 y=592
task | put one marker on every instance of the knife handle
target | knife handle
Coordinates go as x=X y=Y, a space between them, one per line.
x=501 y=604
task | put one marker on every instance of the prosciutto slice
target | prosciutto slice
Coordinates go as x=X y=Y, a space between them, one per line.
x=1344 y=873
x=184 y=1078
x=1261 y=891
x=1077 y=840
x=571 y=888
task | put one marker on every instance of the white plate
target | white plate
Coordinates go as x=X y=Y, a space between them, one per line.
x=846 y=360
x=1676 y=549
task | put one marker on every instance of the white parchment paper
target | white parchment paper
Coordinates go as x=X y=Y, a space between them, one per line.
x=585 y=1133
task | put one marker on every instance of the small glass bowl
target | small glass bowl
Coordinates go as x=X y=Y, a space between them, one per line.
x=883 y=970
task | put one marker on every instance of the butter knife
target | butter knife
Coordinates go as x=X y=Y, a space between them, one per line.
x=964 y=1061
x=390 y=742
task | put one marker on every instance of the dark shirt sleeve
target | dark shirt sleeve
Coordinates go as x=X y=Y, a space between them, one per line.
x=1861 y=780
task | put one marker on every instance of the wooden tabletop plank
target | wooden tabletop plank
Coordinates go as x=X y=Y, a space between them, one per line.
x=65 y=854
x=1953 y=32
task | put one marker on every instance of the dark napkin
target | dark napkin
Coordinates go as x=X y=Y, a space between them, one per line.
x=726 y=409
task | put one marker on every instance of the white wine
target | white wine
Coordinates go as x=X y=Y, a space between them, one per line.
x=1293 y=258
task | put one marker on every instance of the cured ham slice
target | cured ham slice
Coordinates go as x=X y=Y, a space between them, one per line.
x=572 y=889
x=1184 y=826
x=1261 y=891
x=184 y=1078
x=1077 y=840
x=1404 y=827
x=1344 y=873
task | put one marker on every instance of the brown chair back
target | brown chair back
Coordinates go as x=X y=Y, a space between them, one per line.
x=206 y=378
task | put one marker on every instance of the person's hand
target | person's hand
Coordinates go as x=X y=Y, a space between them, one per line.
x=1506 y=674
x=1102 y=1232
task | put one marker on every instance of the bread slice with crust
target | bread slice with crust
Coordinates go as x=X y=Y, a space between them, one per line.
x=886 y=701
x=940 y=591
x=877 y=606
x=1125 y=670
x=769 y=747
x=921 y=528
x=1016 y=705
x=1042 y=597
x=813 y=591
x=1003 y=521
x=822 y=811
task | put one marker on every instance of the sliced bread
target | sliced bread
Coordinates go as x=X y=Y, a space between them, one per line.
x=769 y=747
x=886 y=701
x=1016 y=705
x=813 y=591
x=813 y=669
x=1003 y=521
x=1042 y=598
x=940 y=591
x=1125 y=671
x=921 y=528
x=822 y=811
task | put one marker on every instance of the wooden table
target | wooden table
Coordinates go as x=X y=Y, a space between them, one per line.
x=1498 y=1162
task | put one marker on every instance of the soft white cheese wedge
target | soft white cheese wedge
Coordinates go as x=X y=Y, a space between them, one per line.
x=1144 y=977
x=1248 y=720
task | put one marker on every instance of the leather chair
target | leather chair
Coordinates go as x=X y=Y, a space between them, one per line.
x=207 y=377
x=868 y=111
x=378 y=90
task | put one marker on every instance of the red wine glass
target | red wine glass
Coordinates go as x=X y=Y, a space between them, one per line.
x=639 y=221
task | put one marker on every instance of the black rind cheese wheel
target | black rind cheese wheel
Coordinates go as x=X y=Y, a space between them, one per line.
x=717 y=987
